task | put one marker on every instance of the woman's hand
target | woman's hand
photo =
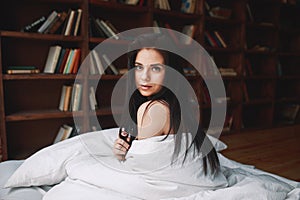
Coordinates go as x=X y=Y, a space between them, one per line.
x=120 y=148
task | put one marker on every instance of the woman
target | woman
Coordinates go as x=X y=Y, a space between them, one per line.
x=154 y=109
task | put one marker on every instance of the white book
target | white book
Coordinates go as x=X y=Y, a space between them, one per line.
x=52 y=59
x=92 y=99
x=48 y=21
x=76 y=97
x=77 y=22
x=112 y=33
x=62 y=98
x=109 y=63
x=98 y=62
x=188 y=30
x=92 y=64
x=69 y=23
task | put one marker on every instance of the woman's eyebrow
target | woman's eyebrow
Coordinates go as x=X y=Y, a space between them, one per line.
x=137 y=63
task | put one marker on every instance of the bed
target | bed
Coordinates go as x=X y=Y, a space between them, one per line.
x=80 y=168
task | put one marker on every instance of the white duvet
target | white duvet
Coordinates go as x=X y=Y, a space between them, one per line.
x=84 y=168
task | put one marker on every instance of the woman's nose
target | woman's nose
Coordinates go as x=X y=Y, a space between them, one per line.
x=145 y=76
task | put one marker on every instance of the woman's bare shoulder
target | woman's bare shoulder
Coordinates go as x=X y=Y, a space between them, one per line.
x=154 y=106
x=153 y=118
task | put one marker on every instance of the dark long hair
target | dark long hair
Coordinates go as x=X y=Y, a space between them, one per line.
x=167 y=97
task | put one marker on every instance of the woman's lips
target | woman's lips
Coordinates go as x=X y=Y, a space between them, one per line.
x=145 y=87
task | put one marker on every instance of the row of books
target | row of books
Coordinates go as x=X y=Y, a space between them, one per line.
x=215 y=39
x=62 y=60
x=97 y=67
x=162 y=4
x=65 y=23
x=70 y=97
x=103 y=28
x=188 y=30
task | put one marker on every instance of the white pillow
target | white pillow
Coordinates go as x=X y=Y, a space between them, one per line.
x=47 y=166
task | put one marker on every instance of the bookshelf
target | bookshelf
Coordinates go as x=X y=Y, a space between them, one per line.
x=266 y=68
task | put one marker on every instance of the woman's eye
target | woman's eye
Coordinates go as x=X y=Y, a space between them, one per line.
x=138 y=67
x=156 y=69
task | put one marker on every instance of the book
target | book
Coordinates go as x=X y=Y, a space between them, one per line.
x=103 y=29
x=131 y=2
x=22 y=71
x=111 y=33
x=77 y=22
x=162 y=4
x=95 y=57
x=62 y=98
x=68 y=65
x=58 y=23
x=220 y=38
x=21 y=67
x=289 y=112
x=76 y=97
x=188 y=30
x=64 y=60
x=210 y=40
x=60 y=59
x=49 y=20
x=188 y=6
x=34 y=26
x=69 y=23
x=52 y=59
x=65 y=98
x=110 y=64
x=64 y=132
x=76 y=62
x=249 y=13
x=92 y=98
x=227 y=71
x=95 y=29
x=221 y=13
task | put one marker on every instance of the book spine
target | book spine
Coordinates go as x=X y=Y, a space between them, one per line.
x=33 y=26
x=22 y=71
x=52 y=59
x=77 y=23
x=69 y=23
x=109 y=63
x=47 y=22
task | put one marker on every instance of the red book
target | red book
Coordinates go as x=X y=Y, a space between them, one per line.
x=76 y=61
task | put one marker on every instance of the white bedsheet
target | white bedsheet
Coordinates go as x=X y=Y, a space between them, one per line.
x=93 y=175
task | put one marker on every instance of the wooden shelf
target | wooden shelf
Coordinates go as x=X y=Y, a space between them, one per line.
x=41 y=114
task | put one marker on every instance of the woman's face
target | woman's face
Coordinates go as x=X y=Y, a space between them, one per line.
x=149 y=72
